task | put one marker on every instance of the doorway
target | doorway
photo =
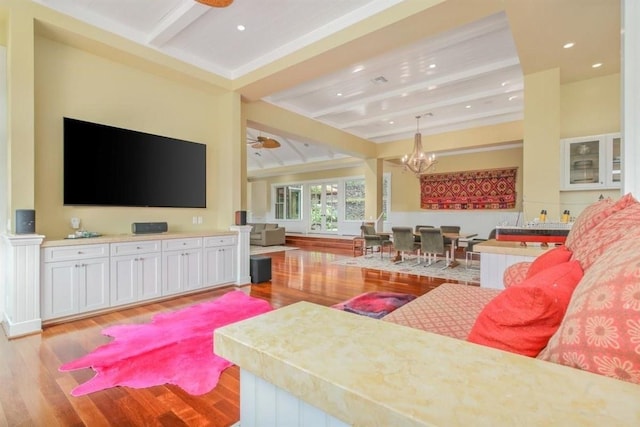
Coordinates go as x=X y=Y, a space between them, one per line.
x=323 y=207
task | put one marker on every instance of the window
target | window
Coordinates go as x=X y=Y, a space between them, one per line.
x=386 y=199
x=354 y=191
x=288 y=201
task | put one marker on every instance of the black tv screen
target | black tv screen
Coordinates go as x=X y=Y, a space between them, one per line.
x=110 y=166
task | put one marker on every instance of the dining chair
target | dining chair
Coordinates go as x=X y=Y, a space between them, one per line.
x=417 y=231
x=432 y=245
x=404 y=242
x=372 y=240
x=470 y=254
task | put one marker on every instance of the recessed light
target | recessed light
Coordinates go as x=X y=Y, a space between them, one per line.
x=432 y=65
x=568 y=45
x=512 y=97
x=597 y=65
x=432 y=87
x=358 y=69
x=339 y=94
x=391 y=122
x=240 y=27
x=404 y=94
x=467 y=106
x=503 y=84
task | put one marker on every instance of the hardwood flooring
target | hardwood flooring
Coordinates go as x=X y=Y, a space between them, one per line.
x=34 y=393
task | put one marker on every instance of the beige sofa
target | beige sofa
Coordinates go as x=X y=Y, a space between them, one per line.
x=598 y=329
x=266 y=234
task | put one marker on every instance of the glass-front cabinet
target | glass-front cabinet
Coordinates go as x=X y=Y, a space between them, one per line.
x=591 y=162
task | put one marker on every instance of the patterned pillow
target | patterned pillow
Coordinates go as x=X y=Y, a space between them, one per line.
x=592 y=215
x=609 y=231
x=601 y=329
x=515 y=273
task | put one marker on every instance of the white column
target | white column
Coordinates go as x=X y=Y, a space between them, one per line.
x=242 y=254
x=631 y=97
x=21 y=303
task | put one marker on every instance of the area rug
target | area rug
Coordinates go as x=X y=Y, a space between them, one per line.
x=375 y=304
x=459 y=273
x=255 y=250
x=175 y=348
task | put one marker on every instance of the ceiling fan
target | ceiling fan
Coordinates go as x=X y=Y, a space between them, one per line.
x=263 y=142
x=216 y=3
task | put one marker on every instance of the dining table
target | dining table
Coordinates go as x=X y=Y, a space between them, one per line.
x=454 y=244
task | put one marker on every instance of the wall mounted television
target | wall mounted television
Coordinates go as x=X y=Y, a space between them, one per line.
x=110 y=166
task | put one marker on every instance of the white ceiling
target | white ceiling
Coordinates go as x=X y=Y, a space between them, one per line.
x=463 y=77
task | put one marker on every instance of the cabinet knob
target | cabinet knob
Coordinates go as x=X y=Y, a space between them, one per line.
x=138 y=247
x=80 y=252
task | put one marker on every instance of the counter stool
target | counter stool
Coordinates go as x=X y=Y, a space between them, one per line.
x=471 y=256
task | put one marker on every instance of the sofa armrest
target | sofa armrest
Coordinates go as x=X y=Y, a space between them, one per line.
x=275 y=236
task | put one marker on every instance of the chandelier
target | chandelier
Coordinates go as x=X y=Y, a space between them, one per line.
x=418 y=161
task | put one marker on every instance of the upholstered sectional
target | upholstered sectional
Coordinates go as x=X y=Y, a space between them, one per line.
x=266 y=234
x=578 y=306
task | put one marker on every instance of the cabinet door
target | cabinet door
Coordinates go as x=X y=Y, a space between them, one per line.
x=219 y=265
x=583 y=161
x=227 y=267
x=124 y=278
x=93 y=284
x=149 y=274
x=59 y=289
x=613 y=169
x=193 y=270
x=172 y=272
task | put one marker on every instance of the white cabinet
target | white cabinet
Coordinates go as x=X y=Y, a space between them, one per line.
x=219 y=260
x=590 y=163
x=84 y=277
x=182 y=265
x=75 y=280
x=135 y=271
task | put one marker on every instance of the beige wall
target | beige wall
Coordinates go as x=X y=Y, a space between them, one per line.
x=405 y=187
x=589 y=107
x=73 y=83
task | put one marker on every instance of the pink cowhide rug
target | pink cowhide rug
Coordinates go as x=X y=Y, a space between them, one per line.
x=175 y=348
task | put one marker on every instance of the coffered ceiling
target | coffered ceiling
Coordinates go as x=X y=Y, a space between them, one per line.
x=459 y=64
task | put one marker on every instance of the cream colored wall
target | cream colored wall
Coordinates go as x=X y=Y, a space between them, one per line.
x=589 y=107
x=405 y=187
x=73 y=83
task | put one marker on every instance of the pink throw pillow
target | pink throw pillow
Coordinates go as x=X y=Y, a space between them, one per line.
x=592 y=215
x=609 y=231
x=600 y=332
x=523 y=317
x=515 y=273
x=552 y=257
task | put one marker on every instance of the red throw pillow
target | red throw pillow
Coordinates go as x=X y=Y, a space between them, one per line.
x=523 y=317
x=558 y=281
x=552 y=257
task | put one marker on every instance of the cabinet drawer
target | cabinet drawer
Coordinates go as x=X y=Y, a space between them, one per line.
x=131 y=248
x=67 y=253
x=177 y=244
x=219 y=241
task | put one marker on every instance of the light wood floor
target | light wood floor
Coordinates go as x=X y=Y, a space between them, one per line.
x=34 y=393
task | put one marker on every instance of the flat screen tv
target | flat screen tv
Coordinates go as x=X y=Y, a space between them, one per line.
x=110 y=166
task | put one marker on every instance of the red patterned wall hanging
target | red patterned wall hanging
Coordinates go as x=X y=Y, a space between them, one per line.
x=482 y=189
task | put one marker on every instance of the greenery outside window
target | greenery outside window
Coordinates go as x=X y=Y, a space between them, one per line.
x=354 y=193
x=288 y=201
